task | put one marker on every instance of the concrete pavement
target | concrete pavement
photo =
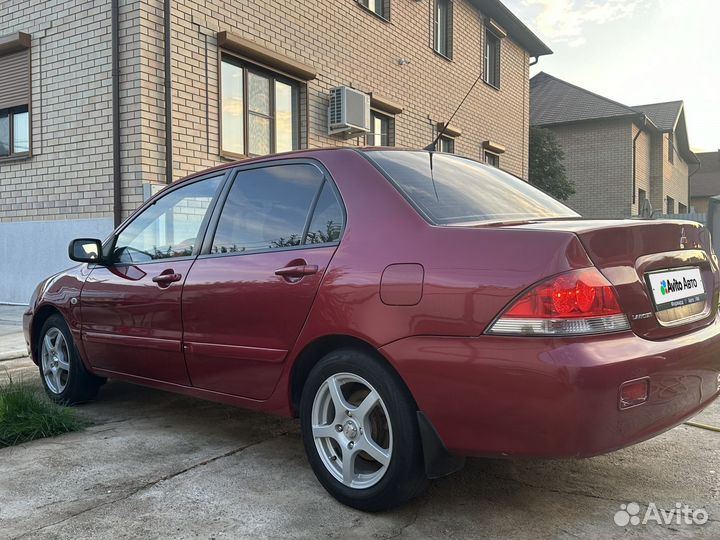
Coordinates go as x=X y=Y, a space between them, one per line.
x=12 y=342
x=158 y=465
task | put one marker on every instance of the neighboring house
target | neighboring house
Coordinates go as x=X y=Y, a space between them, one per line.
x=618 y=156
x=87 y=131
x=705 y=183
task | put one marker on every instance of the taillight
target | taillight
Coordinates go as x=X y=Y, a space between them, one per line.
x=577 y=302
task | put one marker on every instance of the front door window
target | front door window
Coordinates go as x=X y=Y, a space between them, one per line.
x=169 y=227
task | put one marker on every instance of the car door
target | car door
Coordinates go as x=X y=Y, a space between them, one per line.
x=131 y=320
x=249 y=292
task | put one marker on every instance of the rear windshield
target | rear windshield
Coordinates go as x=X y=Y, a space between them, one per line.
x=449 y=189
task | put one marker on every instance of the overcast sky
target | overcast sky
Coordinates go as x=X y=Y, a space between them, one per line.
x=636 y=52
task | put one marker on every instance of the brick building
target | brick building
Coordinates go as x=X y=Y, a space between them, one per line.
x=618 y=156
x=93 y=117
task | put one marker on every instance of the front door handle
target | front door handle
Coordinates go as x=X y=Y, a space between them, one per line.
x=297 y=271
x=166 y=278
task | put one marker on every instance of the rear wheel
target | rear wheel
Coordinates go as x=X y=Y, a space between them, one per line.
x=360 y=432
x=62 y=372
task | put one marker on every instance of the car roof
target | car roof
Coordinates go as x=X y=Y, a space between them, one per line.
x=310 y=153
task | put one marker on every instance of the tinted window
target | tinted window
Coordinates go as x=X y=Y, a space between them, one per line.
x=449 y=189
x=327 y=221
x=169 y=227
x=267 y=208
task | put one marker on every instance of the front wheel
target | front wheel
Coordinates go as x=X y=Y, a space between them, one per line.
x=360 y=432
x=63 y=374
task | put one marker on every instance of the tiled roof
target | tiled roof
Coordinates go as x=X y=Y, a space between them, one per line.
x=706 y=182
x=554 y=101
x=663 y=115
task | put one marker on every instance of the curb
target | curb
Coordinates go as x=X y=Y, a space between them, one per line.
x=13 y=355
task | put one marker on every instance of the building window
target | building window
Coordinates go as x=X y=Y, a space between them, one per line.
x=670 y=205
x=259 y=111
x=492 y=59
x=446 y=144
x=642 y=197
x=381 y=130
x=492 y=159
x=682 y=209
x=14 y=132
x=443 y=25
x=381 y=8
x=671 y=148
x=15 y=95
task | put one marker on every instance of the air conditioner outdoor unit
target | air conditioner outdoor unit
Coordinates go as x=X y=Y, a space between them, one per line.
x=349 y=112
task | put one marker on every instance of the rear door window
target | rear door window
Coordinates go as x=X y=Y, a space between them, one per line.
x=276 y=207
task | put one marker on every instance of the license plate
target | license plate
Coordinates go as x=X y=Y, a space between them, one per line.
x=676 y=288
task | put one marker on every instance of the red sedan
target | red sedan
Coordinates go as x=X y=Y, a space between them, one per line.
x=410 y=307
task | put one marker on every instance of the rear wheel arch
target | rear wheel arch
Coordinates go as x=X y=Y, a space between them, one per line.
x=319 y=348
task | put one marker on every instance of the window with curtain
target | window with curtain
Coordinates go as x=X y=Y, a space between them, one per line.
x=380 y=135
x=260 y=113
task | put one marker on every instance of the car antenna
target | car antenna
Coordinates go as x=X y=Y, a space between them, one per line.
x=432 y=146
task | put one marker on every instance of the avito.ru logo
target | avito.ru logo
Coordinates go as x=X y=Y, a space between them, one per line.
x=668 y=286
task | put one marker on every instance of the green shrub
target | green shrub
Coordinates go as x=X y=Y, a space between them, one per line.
x=27 y=414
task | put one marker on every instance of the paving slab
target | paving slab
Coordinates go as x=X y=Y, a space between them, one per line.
x=158 y=465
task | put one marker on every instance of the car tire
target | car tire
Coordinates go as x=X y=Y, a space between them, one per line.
x=62 y=372
x=366 y=452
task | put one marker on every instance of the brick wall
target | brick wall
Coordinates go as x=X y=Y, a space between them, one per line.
x=70 y=172
x=675 y=176
x=642 y=166
x=669 y=179
x=598 y=158
x=347 y=45
x=69 y=175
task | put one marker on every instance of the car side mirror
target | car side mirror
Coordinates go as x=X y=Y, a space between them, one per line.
x=86 y=250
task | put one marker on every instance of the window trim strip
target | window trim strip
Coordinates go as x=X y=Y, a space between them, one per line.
x=265 y=57
x=11 y=43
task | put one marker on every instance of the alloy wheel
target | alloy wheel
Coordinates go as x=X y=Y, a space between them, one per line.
x=55 y=358
x=352 y=430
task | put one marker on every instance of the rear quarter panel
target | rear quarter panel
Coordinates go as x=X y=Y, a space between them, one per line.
x=470 y=274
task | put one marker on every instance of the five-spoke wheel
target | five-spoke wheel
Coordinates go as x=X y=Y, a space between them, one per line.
x=360 y=430
x=54 y=358
x=65 y=378
x=352 y=430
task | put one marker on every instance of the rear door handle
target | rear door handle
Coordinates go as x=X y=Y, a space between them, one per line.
x=298 y=271
x=167 y=279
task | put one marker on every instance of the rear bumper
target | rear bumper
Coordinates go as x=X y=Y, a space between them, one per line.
x=520 y=396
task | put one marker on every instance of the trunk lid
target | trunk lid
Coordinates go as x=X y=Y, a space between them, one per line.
x=627 y=252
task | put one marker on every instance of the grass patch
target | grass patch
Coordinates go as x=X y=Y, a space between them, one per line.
x=27 y=414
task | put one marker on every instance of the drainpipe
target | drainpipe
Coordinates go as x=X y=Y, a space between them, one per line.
x=535 y=60
x=168 y=94
x=114 y=24
x=634 y=171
